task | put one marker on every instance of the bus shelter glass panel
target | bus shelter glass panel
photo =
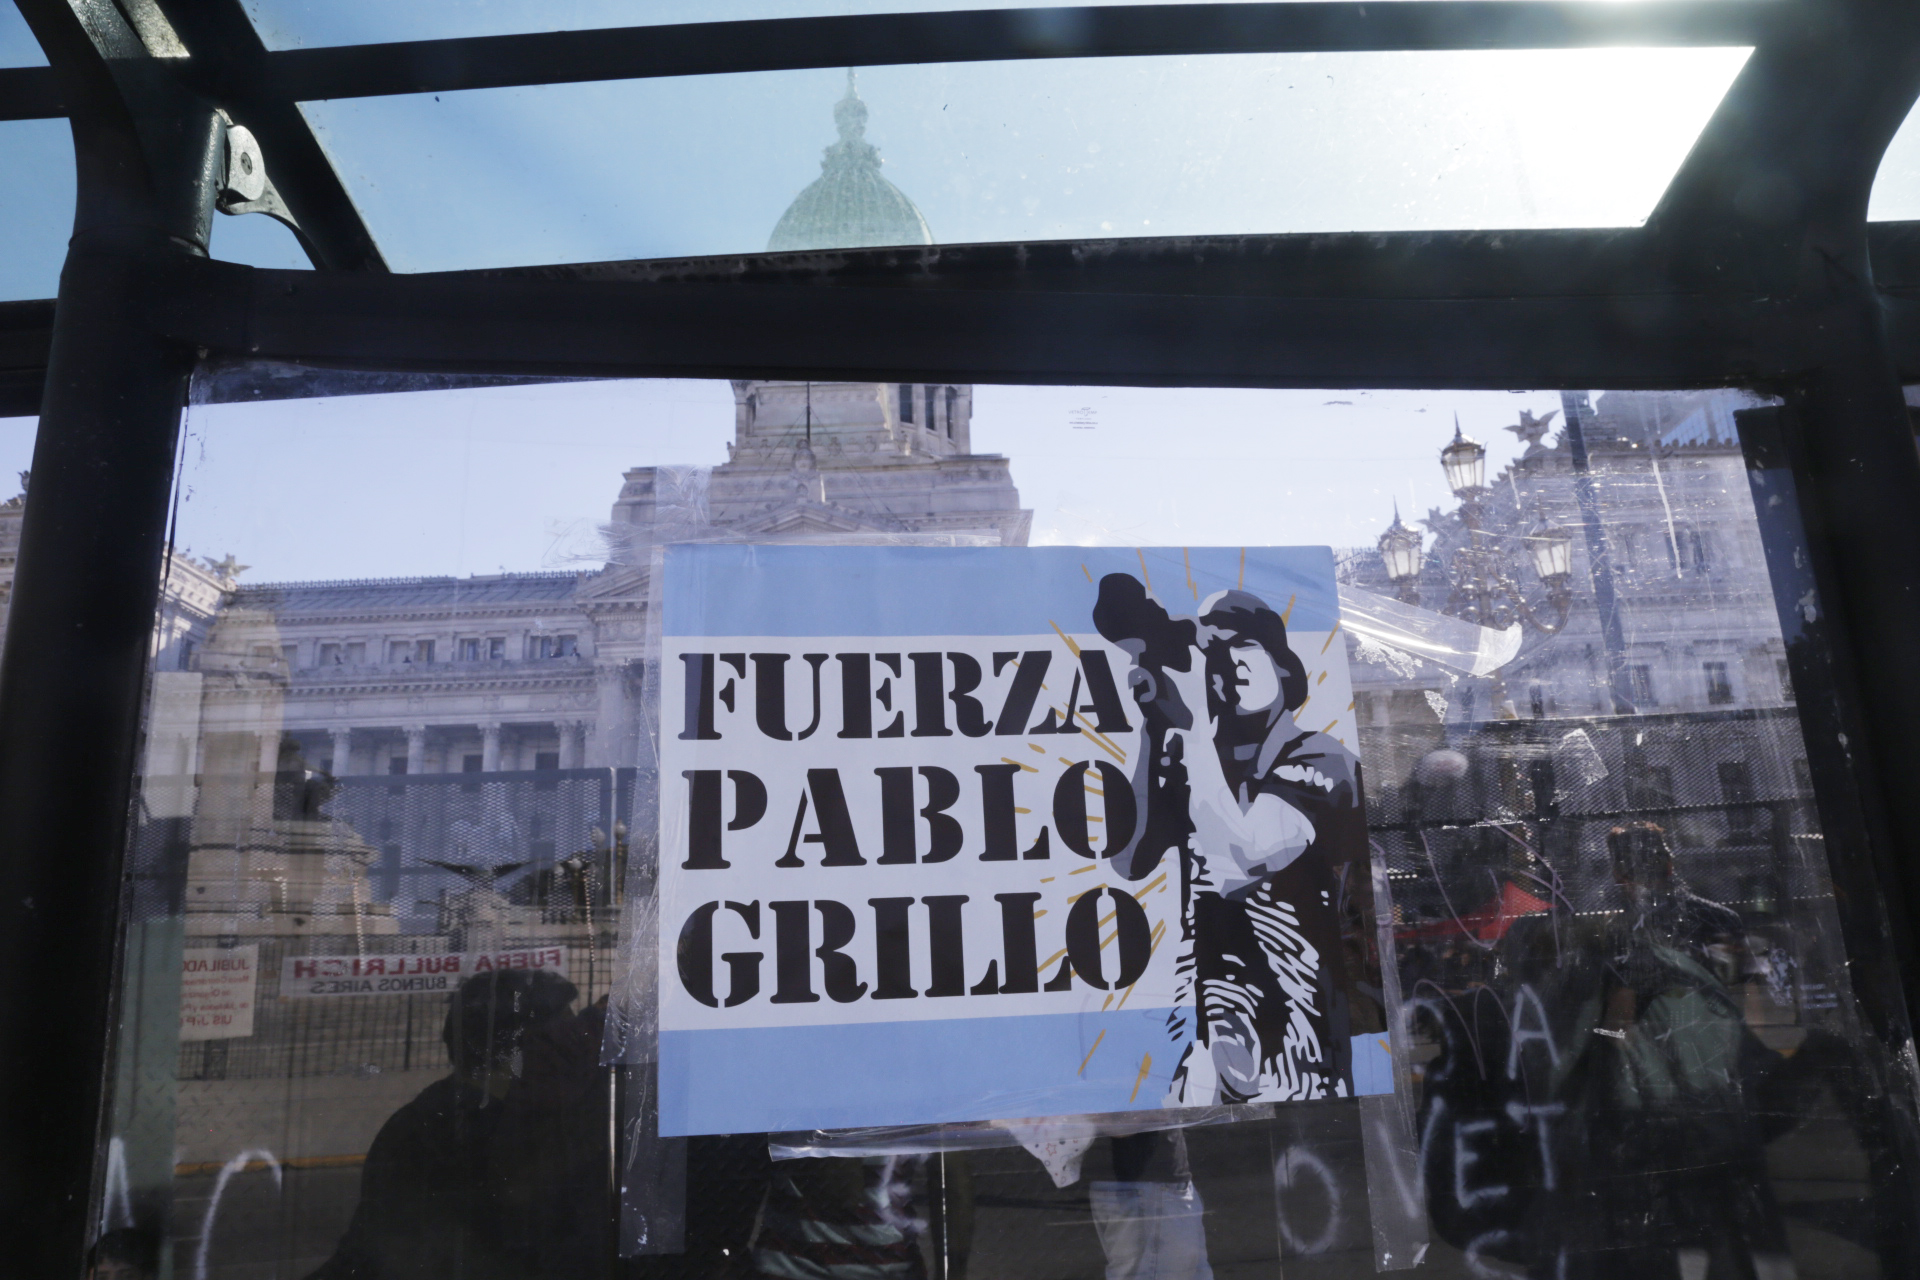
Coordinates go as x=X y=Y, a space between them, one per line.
x=964 y=153
x=1389 y=842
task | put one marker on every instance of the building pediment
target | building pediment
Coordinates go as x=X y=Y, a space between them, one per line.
x=808 y=517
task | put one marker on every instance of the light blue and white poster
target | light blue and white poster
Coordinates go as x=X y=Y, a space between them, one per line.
x=954 y=834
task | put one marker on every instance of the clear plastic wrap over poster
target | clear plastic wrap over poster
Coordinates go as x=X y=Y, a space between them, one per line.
x=1600 y=1014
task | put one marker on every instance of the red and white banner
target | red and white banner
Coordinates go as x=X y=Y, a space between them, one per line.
x=304 y=977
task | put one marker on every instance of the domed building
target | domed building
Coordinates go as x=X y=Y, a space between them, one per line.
x=849 y=206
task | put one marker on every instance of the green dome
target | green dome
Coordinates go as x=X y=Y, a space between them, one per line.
x=849 y=205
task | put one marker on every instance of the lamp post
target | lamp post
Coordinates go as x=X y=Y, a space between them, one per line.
x=1401 y=552
x=1486 y=590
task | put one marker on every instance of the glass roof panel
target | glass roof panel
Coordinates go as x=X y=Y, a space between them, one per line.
x=36 y=206
x=18 y=48
x=287 y=24
x=1023 y=150
x=1896 y=188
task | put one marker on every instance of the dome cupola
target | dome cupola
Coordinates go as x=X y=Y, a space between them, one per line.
x=849 y=205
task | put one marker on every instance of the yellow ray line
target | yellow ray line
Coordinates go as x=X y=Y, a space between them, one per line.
x=1330 y=724
x=1018 y=809
x=1118 y=750
x=1151 y=885
x=1072 y=648
x=1288 y=611
x=1038 y=914
x=1095 y=791
x=1037 y=747
x=1089 y=1058
x=1065 y=761
x=1350 y=705
x=1048 y=962
x=1330 y=635
x=1323 y=677
x=1243 y=568
x=1095 y=738
x=1029 y=768
x=1187 y=559
x=1144 y=575
x=1146 y=1064
x=1106 y=1002
x=1087 y=571
x=1091 y=818
x=1109 y=919
x=1084 y=892
x=1046 y=879
x=1082 y=870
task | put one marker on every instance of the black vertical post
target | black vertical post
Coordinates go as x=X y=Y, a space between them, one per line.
x=73 y=674
x=71 y=684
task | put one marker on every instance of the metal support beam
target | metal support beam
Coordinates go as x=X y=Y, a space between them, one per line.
x=86 y=583
x=783 y=44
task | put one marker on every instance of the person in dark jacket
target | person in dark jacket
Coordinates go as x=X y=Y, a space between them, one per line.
x=499 y=1171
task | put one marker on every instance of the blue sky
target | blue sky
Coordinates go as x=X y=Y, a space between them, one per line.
x=520 y=478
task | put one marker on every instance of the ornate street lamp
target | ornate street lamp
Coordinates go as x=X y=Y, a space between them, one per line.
x=1552 y=550
x=1486 y=585
x=1465 y=462
x=1402 y=553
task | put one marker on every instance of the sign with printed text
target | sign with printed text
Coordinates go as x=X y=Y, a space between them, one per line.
x=309 y=977
x=216 y=991
x=974 y=833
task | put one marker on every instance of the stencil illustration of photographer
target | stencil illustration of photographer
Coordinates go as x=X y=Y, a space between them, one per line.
x=1258 y=810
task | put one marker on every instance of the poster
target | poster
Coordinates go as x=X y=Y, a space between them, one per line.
x=216 y=991
x=979 y=833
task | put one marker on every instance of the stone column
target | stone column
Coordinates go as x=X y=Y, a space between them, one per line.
x=416 y=748
x=490 y=747
x=570 y=743
x=342 y=751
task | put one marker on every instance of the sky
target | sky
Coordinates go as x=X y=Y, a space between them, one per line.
x=520 y=478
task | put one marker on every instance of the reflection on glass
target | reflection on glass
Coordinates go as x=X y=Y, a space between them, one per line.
x=394 y=832
x=1060 y=149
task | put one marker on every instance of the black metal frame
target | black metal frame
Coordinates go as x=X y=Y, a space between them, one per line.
x=1757 y=268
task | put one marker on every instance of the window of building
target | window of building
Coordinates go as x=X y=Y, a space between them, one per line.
x=399 y=651
x=539 y=647
x=356 y=651
x=1651 y=788
x=1640 y=682
x=953 y=400
x=1719 y=683
x=906 y=402
x=471 y=762
x=470 y=650
x=290 y=654
x=423 y=651
x=546 y=761
x=330 y=655
x=497 y=647
x=1736 y=790
x=186 y=654
x=566 y=646
x=1786 y=680
x=396 y=764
